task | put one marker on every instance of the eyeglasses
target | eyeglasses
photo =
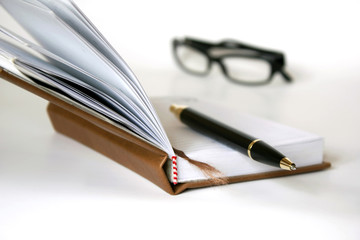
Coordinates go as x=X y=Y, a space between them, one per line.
x=239 y=62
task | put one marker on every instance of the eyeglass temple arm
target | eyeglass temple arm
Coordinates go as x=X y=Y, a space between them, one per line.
x=279 y=61
x=286 y=76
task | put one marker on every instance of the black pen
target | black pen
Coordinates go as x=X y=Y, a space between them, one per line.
x=255 y=148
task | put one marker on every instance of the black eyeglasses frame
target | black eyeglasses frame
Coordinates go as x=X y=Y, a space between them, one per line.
x=275 y=59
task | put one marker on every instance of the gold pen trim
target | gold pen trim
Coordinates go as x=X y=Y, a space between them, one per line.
x=250 y=146
x=287 y=164
x=177 y=109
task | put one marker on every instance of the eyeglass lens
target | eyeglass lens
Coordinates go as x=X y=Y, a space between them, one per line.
x=192 y=59
x=238 y=68
x=247 y=70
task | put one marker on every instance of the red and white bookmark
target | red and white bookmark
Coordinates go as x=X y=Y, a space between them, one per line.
x=174 y=172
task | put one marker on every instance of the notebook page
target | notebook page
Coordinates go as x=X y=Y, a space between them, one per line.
x=301 y=147
x=51 y=75
x=66 y=11
x=7 y=65
x=45 y=27
x=114 y=56
x=70 y=15
x=127 y=107
x=60 y=40
x=94 y=36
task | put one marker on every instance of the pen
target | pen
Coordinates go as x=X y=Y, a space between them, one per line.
x=255 y=148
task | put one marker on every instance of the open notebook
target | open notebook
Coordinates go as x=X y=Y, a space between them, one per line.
x=301 y=147
x=72 y=61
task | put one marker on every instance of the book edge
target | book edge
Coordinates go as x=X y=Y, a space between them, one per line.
x=250 y=177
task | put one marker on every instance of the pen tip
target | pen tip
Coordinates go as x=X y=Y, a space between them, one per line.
x=287 y=164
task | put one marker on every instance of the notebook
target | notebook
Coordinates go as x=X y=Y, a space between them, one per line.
x=94 y=93
x=301 y=147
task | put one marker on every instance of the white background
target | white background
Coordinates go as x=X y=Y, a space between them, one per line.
x=54 y=188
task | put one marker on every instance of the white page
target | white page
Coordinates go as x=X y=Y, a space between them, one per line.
x=63 y=42
x=98 y=83
x=68 y=12
x=7 y=64
x=74 y=18
x=17 y=55
x=37 y=68
x=102 y=45
x=54 y=34
x=110 y=52
x=72 y=43
x=40 y=64
x=84 y=99
x=301 y=147
x=58 y=39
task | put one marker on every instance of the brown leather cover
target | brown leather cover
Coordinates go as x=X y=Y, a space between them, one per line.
x=121 y=146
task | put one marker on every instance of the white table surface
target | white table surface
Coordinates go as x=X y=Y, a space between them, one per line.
x=52 y=187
